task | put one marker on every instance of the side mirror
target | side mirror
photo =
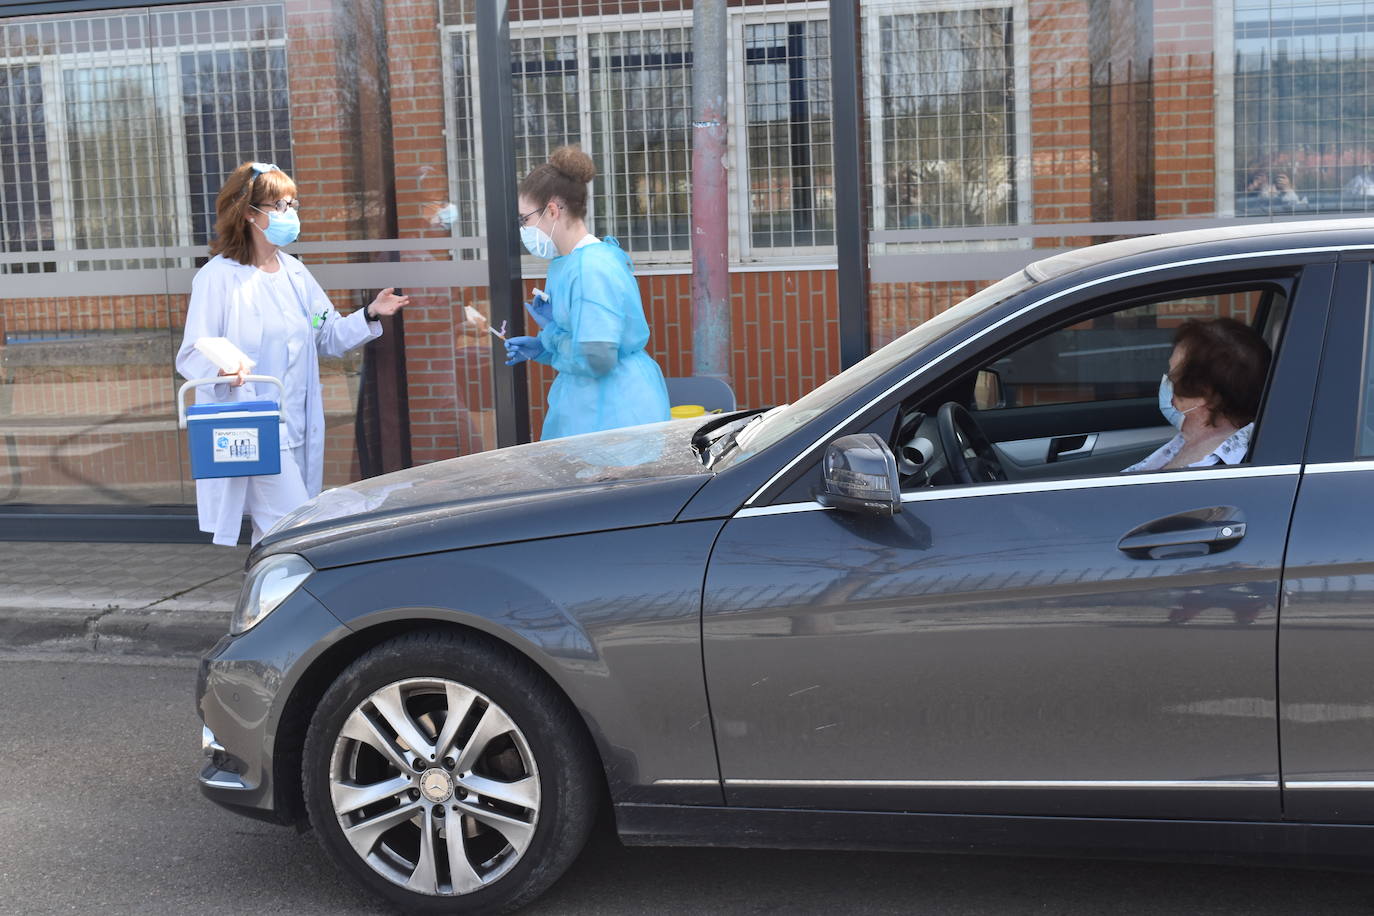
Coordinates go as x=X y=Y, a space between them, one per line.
x=987 y=390
x=859 y=474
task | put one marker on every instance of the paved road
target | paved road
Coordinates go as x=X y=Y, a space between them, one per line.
x=99 y=814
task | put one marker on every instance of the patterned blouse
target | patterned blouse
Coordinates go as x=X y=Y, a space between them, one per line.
x=1232 y=450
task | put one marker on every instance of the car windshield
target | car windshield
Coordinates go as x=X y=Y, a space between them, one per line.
x=763 y=430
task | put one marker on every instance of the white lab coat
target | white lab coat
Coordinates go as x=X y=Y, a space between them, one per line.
x=220 y=307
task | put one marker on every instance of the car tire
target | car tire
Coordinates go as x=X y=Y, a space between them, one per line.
x=388 y=815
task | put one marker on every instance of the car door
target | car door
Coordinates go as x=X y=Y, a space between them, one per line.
x=1003 y=648
x=1326 y=634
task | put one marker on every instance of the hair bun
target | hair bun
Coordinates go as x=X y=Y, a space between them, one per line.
x=571 y=161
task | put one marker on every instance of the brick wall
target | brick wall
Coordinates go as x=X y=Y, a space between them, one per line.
x=1060 y=111
x=1185 y=110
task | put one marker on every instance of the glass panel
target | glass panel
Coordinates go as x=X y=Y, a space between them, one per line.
x=1303 y=121
x=547 y=105
x=25 y=186
x=948 y=119
x=1116 y=356
x=116 y=124
x=237 y=109
x=117 y=131
x=641 y=113
x=787 y=99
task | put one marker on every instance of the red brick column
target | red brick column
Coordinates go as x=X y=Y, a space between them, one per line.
x=1061 y=151
x=1185 y=110
x=432 y=325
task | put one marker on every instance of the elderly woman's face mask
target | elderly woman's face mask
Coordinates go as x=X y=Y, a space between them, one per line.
x=1166 y=403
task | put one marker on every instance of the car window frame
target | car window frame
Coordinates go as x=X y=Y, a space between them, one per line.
x=1312 y=273
x=1337 y=406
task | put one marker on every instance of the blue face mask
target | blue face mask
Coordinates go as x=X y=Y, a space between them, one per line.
x=1166 y=403
x=282 y=228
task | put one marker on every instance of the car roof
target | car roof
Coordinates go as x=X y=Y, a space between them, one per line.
x=1303 y=234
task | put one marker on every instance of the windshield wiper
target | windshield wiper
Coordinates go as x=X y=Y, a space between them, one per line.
x=705 y=446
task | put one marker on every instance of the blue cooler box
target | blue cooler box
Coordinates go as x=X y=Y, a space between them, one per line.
x=236 y=439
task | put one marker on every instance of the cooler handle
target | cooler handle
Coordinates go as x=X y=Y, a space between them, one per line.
x=218 y=380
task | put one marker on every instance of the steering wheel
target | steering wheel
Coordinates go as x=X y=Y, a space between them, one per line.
x=959 y=434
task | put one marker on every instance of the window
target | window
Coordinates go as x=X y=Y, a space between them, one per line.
x=25 y=197
x=1112 y=357
x=625 y=95
x=117 y=130
x=787 y=108
x=1304 y=131
x=641 y=113
x=947 y=119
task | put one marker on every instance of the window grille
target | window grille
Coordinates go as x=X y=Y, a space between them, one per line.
x=25 y=197
x=465 y=181
x=142 y=116
x=621 y=87
x=548 y=113
x=1304 y=131
x=641 y=112
x=947 y=108
x=788 y=117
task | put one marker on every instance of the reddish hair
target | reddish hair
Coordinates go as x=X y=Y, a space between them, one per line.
x=233 y=236
x=565 y=177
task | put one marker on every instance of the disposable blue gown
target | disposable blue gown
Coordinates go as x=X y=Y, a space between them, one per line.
x=596 y=342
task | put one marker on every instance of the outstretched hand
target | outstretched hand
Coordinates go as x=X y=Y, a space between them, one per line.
x=388 y=303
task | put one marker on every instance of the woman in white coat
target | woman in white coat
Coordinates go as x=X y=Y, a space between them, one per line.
x=269 y=306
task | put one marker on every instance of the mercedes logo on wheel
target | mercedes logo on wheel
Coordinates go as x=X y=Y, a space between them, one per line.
x=436 y=785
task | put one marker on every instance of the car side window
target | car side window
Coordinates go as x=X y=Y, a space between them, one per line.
x=1081 y=400
x=1116 y=356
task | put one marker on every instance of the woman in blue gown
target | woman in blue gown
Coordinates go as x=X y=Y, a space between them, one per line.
x=592 y=325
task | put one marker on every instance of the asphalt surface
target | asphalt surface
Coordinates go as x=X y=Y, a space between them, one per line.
x=99 y=813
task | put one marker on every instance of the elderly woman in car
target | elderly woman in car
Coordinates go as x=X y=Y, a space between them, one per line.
x=1211 y=394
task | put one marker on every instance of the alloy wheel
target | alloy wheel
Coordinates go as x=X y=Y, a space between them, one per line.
x=434 y=786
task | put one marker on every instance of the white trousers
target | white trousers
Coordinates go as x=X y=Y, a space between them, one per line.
x=269 y=498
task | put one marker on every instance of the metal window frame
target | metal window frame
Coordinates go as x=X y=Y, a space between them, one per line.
x=744 y=258
x=872 y=13
x=740 y=162
x=1224 y=114
x=62 y=190
x=1224 y=28
x=53 y=69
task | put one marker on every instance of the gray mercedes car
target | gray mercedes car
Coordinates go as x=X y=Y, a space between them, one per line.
x=920 y=608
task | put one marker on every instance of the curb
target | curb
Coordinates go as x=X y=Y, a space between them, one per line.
x=112 y=631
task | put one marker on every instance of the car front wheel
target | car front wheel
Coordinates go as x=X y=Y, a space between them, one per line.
x=444 y=773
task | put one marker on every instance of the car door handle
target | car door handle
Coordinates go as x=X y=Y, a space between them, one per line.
x=1063 y=447
x=1186 y=542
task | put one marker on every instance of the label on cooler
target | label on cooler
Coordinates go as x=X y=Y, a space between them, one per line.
x=235 y=445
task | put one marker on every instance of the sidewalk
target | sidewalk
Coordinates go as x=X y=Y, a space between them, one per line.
x=144 y=599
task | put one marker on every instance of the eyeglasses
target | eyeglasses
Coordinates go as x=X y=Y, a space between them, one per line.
x=534 y=212
x=281 y=206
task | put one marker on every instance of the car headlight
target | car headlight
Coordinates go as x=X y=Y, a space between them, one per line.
x=269 y=583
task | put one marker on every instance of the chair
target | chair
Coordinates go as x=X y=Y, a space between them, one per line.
x=711 y=393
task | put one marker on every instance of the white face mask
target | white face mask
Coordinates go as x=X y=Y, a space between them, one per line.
x=538 y=242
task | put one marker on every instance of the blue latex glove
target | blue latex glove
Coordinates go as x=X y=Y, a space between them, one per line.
x=519 y=349
x=541 y=309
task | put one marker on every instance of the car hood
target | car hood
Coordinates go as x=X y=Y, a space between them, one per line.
x=596 y=482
